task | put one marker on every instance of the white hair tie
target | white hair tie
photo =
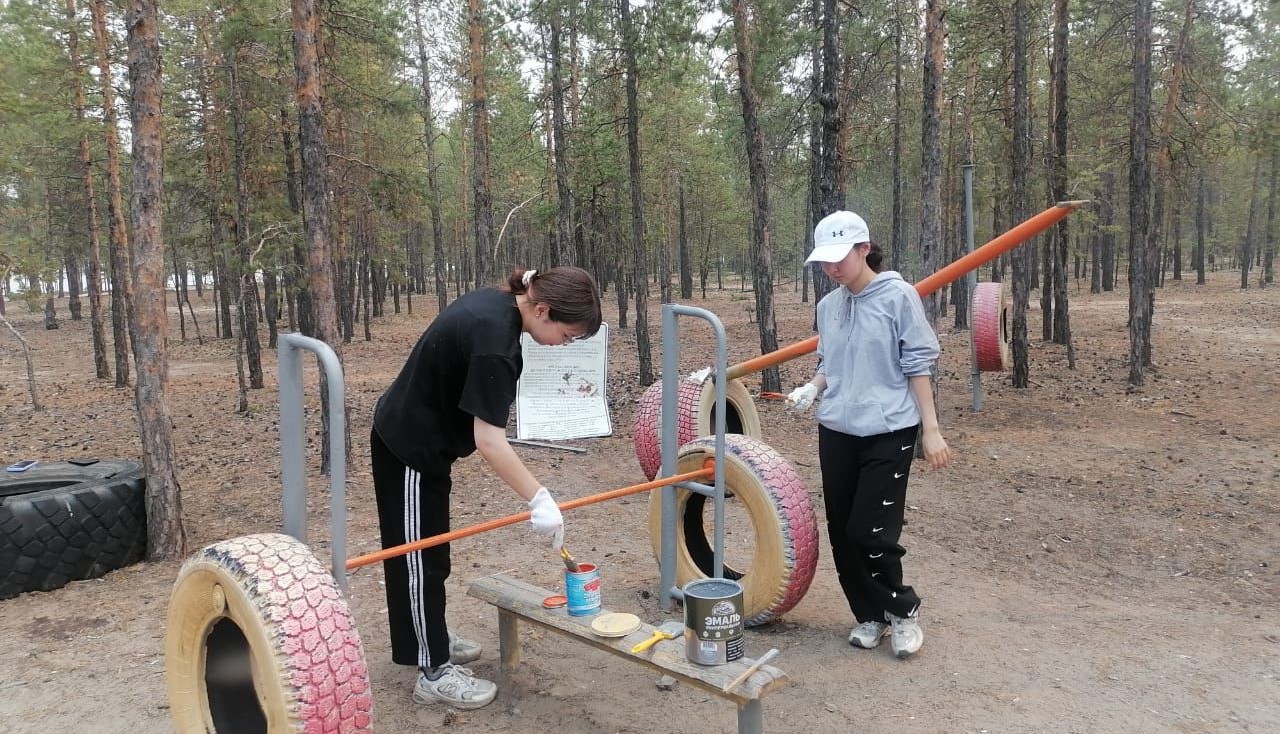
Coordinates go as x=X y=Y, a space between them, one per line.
x=527 y=278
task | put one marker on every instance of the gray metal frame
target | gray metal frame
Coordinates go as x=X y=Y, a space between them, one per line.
x=971 y=284
x=670 y=447
x=292 y=454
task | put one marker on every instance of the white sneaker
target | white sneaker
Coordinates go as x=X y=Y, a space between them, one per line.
x=907 y=636
x=456 y=686
x=462 y=650
x=868 y=634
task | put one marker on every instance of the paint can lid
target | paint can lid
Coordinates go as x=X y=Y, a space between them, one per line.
x=555 y=601
x=615 y=624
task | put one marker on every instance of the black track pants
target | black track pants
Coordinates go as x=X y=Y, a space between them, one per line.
x=864 y=484
x=412 y=505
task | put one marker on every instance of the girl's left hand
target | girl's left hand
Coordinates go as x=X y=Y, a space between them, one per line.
x=936 y=450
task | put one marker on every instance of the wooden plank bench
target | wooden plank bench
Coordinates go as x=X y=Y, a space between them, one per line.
x=517 y=600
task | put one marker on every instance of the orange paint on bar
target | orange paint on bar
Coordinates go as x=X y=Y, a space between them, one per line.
x=708 y=468
x=961 y=267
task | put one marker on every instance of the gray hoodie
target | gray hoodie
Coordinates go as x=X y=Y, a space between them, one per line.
x=869 y=344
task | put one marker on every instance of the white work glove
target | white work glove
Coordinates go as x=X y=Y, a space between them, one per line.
x=545 y=517
x=802 y=397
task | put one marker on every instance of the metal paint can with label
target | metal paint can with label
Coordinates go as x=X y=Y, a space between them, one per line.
x=583 y=590
x=713 y=621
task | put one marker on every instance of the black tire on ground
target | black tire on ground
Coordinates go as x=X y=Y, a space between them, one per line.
x=261 y=641
x=61 y=523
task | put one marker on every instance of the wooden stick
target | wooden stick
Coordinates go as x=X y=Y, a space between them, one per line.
x=773 y=653
x=544 y=445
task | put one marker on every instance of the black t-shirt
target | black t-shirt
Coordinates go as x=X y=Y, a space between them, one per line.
x=464 y=366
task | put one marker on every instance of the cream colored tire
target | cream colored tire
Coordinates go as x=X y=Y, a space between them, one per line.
x=260 y=639
x=695 y=416
x=785 y=553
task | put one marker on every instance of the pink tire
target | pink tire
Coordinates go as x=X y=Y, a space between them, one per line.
x=695 y=416
x=990 y=333
x=785 y=553
x=259 y=639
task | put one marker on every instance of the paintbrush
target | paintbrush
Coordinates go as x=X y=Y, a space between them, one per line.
x=570 y=564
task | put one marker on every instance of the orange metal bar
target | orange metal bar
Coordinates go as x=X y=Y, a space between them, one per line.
x=985 y=254
x=708 y=468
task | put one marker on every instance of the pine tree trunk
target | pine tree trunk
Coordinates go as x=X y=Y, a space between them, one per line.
x=97 y=326
x=1269 y=256
x=1248 y=243
x=1022 y=256
x=896 y=243
x=166 y=537
x=640 y=263
x=433 y=187
x=931 y=148
x=271 y=292
x=566 y=253
x=1203 y=227
x=686 y=266
x=1139 y=189
x=483 y=215
x=816 y=112
x=121 y=301
x=1161 y=172
x=1176 y=251
x=1058 y=178
x=761 y=215
x=1107 y=221
x=315 y=203
x=247 y=298
x=298 y=297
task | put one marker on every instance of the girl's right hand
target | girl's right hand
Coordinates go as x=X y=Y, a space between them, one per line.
x=545 y=517
x=936 y=450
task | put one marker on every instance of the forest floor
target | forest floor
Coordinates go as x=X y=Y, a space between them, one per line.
x=1097 y=559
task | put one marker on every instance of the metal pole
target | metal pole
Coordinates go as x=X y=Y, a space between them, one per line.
x=291 y=446
x=670 y=449
x=670 y=384
x=289 y=368
x=971 y=280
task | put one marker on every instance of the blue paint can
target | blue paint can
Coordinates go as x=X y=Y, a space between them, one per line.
x=583 y=590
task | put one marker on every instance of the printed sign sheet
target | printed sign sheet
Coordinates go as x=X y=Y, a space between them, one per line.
x=561 y=393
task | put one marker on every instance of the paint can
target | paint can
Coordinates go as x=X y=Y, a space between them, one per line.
x=582 y=587
x=713 y=621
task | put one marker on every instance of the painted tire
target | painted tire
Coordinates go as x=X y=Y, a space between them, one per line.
x=990 y=333
x=696 y=412
x=60 y=522
x=260 y=639
x=786 y=529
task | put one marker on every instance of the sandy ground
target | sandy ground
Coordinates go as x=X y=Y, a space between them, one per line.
x=1098 y=559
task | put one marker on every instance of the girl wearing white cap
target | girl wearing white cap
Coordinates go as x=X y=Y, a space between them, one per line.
x=451 y=398
x=875 y=351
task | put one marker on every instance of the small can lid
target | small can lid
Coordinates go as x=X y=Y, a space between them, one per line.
x=555 y=601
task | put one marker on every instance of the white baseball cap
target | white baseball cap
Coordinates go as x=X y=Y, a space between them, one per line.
x=836 y=235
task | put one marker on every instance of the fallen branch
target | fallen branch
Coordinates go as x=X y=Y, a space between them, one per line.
x=31 y=370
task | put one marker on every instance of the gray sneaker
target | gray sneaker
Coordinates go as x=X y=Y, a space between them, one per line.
x=868 y=634
x=907 y=637
x=462 y=650
x=456 y=686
